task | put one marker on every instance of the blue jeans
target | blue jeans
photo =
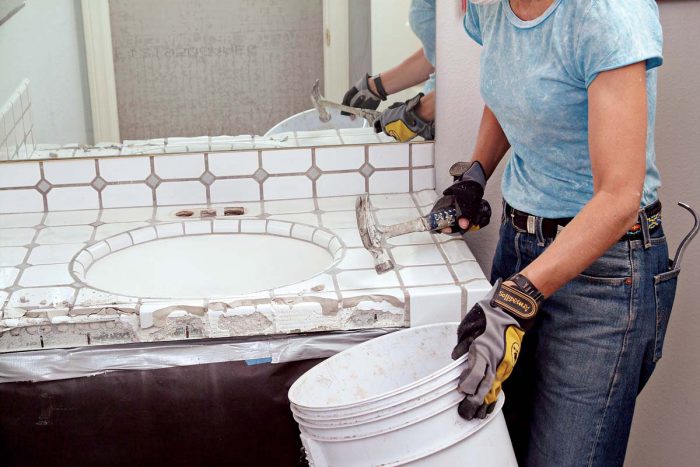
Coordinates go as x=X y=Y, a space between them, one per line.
x=570 y=399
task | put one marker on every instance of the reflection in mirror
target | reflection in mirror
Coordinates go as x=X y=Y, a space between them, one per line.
x=121 y=77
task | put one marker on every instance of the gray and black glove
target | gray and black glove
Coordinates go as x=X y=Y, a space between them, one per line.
x=362 y=97
x=466 y=195
x=401 y=122
x=492 y=334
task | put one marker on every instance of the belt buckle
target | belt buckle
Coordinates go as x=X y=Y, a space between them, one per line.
x=531 y=224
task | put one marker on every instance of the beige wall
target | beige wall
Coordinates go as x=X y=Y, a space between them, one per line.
x=666 y=427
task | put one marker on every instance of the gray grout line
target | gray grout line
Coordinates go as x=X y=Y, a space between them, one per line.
x=44 y=195
x=152 y=163
x=206 y=169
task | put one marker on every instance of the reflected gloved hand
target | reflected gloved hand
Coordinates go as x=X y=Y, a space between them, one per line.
x=362 y=96
x=466 y=195
x=491 y=333
x=401 y=122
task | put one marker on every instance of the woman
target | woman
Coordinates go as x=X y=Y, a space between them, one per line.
x=582 y=289
x=405 y=120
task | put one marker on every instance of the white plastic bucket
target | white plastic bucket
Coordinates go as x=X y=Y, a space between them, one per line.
x=308 y=121
x=393 y=401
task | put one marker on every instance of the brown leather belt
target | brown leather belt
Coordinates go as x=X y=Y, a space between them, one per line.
x=550 y=227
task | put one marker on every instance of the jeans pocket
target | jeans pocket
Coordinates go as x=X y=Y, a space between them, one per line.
x=665 y=293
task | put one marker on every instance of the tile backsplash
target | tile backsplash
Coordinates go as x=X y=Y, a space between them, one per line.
x=205 y=178
x=16 y=125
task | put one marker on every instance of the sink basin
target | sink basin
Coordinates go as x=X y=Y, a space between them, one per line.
x=160 y=262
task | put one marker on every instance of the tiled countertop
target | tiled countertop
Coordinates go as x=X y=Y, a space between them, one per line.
x=45 y=303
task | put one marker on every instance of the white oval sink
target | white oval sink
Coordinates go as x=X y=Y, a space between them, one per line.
x=204 y=265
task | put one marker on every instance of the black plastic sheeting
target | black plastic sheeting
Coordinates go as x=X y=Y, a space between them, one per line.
x=229 y=413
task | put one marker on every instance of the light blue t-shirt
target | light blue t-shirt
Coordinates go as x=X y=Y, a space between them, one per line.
x=535 y=77
x=421 y=17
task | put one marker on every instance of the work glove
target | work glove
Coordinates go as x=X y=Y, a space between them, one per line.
x=466 y=195
x=362 y=97
x=401 y=122
x=491 y=333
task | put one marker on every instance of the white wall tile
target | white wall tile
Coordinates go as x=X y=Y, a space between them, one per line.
x=228 y=164
x=124 y=169
x=286 y=161
x=169 y=193
x=422 y=154
x=70 y=198
x=186 y=166
x=71 y=171
x=127 y=214
x=423 y=179
x=393 y=181
x=68 y=234
x=435 y=305
x=389 y=155
x=19 y=174
x=237 y=189
x=340 y=184
x=340 y=158
x=426 y=275
x=19 y=201
x=287 y=187
x=123 y=196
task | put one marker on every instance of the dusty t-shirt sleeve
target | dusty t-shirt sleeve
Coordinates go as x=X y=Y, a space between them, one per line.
x=614 y=34
x=471 y=23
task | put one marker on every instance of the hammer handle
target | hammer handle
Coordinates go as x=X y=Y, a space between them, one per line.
x=439 y=220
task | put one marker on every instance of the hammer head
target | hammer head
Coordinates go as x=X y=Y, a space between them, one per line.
x=317 y=100
x=372 y=235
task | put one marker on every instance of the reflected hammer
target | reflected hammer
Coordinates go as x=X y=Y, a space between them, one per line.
x=321 y=104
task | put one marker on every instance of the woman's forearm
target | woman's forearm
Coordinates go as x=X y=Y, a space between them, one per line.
x=412 y=71
x=491 y=143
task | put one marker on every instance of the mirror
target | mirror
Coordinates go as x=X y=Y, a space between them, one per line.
x=121 y=77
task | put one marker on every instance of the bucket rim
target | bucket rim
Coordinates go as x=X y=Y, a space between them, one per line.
x=446 y=369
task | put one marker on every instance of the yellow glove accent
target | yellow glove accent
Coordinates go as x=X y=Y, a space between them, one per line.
x=514 y=338
x=399 y=131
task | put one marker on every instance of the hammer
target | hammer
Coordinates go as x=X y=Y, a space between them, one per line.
x=373 y=234
x=320 y=104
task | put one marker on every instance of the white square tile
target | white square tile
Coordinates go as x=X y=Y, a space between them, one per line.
x=50 y=274
x=3 y=295
x=339 y=220
x=20 y=220
x=340 y=158
x=124 y=169
x=289 y=187
x=119 y=242
x=128 y=195
x=340 y=184
x=367 y=138
x=289 y=206
x=71 y=171
x=431 y=305
x=226 y=226
x=422 y=154
x=286 y=161
x=357 y=258
x=468 y=271
x=391 y=201
x=143 y=235
x=338 y=203
x=476 y=290
x=253 y=226
x=366 y=279
x=20 y=174
x=426 y=275
x=61 y=218
x=279 y=228
x=303 y=218
x=54 y=254
x=238 y=189
x=126 y=214
x=16 y=237
x=185 y=166
x=20 y=201
x=350 y=237
x=414 y=238
x=303 y=232
x=197 y=228
x=73 y=198
x=170 y=230
x=169 y=193
x=423 y=179
x=319 y=283
x=417 y=255
x=426 y=198
x=394 y=181
x=67 y=234
x=7 y=277
x=228 y=164
x=389 y=155
x=395 y=216
x=54 y=297
x=109 y=230
x=456 y=250
x=12 y=255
